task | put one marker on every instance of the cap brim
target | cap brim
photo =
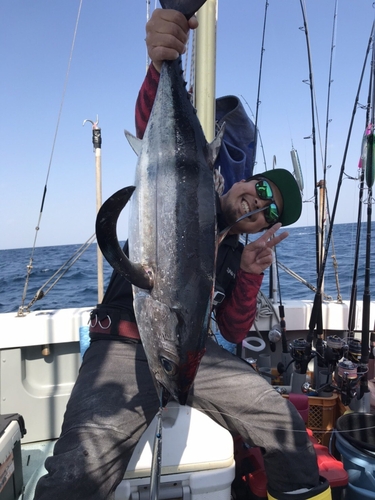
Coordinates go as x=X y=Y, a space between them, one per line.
x=290 y=193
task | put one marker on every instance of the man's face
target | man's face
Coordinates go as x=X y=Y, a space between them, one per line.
x=243 y=198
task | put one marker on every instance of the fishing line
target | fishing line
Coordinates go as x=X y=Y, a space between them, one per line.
x=314 y=113
x=334 y=260
x=324 y=159
x=58 y=275
x=330 y=81
x=262 y=50
x=301 y=280
x=209 y=411
x=258 y=134
x=30 y=265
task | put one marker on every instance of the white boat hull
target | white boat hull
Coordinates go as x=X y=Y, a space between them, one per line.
x=38 y=386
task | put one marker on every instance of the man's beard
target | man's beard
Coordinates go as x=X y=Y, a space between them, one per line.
x=230 y=215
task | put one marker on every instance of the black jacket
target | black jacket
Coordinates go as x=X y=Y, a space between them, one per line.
x=118 y=298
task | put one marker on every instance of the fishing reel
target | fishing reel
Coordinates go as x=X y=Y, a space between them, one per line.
x=335 y=349
x=274 y=336
x=348 y=371
x=346 y=377
x=320 y=349
x=354 y=351
x=300 y=351
x=371 y=361
x=330 y=351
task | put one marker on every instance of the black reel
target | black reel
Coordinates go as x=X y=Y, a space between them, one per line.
x=300 y=351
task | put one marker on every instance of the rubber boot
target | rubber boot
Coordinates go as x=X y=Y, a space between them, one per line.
x=320 y=492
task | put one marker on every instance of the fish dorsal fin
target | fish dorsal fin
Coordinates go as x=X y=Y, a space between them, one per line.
x=213 y=147
x=134 y=142
x=187 y=7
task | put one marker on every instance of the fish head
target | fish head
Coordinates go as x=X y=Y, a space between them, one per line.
x=173 y=356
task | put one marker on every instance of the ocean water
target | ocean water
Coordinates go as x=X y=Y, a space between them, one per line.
x=78 y=287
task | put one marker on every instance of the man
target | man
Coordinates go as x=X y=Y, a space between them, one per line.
x=114 y=398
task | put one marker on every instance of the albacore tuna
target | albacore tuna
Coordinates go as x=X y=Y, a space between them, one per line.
x=172 y=232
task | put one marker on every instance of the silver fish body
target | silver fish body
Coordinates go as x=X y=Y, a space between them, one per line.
x=173 y=236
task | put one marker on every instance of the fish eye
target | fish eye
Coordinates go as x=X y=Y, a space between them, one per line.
x=169 y=367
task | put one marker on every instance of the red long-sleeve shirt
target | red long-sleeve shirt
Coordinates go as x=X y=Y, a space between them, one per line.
x=236 y=314
x=145 y=100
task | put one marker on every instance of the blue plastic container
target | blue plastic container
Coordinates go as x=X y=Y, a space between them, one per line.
x=84 y=339
x=354 y=439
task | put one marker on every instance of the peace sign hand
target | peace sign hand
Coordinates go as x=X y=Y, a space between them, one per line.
x=257 y=255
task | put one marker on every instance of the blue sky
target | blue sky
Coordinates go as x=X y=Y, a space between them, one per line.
x=106 y=70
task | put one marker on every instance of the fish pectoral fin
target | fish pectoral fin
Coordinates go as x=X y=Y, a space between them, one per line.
x=213 y=147
x=134 y=142
x=106 y=235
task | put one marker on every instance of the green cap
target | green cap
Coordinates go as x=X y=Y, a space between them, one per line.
x=290 y=193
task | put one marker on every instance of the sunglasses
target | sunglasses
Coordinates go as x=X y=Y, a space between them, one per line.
x=264 y=192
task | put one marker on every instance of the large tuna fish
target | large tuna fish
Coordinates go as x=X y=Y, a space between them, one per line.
x=172 y=232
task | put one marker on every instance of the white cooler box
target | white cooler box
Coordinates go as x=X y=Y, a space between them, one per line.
x=12 y=429
x=197 y=459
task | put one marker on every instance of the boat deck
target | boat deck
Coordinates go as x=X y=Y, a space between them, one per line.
x=41 y=384
x=33 y=458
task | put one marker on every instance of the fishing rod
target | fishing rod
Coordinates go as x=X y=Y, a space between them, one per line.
x=261 y=64
x=157 y=449
x=258 y=101
x=324 y=200
x=97 y=144
x=318 y=322
x=330 y=81
x=286 y=357
x=354 y=370
x=300 y=279
x=37 y=227
x=369 y=178
x=362 y=166
x=316 y=310
x=335 y=265
x=313 y=133
x=322 y=185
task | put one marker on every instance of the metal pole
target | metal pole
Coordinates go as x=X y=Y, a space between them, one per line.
x=205 y=80
x=97 y=143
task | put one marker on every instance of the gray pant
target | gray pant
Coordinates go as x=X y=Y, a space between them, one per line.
x=114 y=400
